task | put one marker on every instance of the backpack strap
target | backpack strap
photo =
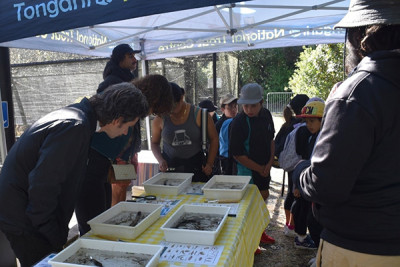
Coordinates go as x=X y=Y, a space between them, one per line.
x=196 y=111
x=204 y=119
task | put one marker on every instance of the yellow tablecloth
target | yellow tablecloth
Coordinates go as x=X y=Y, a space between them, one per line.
x=240 y=235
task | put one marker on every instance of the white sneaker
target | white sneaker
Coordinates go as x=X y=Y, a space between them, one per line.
x=289 y=232
x=312 y=262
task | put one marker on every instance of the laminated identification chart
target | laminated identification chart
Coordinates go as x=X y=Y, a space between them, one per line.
x=190 y=253
x=168 y=204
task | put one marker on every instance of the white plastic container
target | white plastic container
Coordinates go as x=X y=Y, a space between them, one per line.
x=153 y=250
x=199 y=237
x=151 y=186
x=121 y=231
x=233 y=195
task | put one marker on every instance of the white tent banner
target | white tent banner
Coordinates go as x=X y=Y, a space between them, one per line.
x=25 y=18
x=246 y=25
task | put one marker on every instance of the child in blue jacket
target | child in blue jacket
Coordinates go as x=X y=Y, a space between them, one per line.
x=306 y=137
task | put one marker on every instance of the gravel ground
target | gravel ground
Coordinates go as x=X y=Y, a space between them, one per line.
x=282 y=253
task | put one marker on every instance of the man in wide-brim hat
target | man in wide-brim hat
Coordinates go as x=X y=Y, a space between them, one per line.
x=354 y=177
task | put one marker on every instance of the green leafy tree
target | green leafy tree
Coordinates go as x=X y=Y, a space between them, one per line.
x=271 y=68
x=317 y=70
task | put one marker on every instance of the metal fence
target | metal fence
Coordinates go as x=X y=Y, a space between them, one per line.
x=277 y=101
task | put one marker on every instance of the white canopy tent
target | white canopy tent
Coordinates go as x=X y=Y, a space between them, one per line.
x=245 y=25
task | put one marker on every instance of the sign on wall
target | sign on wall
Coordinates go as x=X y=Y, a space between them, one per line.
x=4 y=107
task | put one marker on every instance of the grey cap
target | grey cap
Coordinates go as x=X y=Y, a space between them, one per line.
x=251 y=93
x=227 y=99
x=371 y=12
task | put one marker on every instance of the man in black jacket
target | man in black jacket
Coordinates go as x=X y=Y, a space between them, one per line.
x=354 y=177
x=98 y=193
x=44 y=170
x=120 y=67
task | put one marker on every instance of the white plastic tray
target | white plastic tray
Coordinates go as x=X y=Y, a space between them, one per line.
x=193 y=236
x=226 y=194
x=151 y=187
x=121 y=231
x=154 y=250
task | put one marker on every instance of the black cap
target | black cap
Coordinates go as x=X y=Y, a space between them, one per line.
x=207 y=104
x=298 y=102
x=121 y=50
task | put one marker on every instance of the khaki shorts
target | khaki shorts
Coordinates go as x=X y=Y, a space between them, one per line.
x=330 y=255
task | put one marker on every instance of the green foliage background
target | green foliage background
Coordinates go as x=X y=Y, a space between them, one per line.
x=271 y=68
x=317 y=70
x=309 y=70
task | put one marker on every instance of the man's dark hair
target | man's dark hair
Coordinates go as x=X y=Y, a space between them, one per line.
x=157 y=91
x=119 y=100
x=119 y=52
x=361 y=41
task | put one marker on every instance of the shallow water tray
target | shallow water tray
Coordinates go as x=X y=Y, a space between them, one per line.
x=239 y=183
x=122 y=249
x=200 y=237
x=99 y=227
x=167 y=183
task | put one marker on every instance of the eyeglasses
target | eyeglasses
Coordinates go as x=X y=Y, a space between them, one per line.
x=231 y=106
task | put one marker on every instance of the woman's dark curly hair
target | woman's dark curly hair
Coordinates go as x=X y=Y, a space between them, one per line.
x=177 y=92
x=158 y=92
x=119 y=100
x=367 y=39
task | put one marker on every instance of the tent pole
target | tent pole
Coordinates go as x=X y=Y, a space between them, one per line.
x=6 y=253
x=7 y=135
x=147 y=120
x=214 y=60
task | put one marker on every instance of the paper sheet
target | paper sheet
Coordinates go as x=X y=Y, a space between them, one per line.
x=190 y=253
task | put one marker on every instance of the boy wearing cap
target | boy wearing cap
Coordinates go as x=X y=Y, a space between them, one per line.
x=229 y=110
x=306 y=137
x=354 y=177
x=120 y=67
x=252 y=141
x=251 y=136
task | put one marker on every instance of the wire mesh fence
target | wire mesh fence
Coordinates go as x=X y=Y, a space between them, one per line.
x=41 y=87
x=277 y=101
